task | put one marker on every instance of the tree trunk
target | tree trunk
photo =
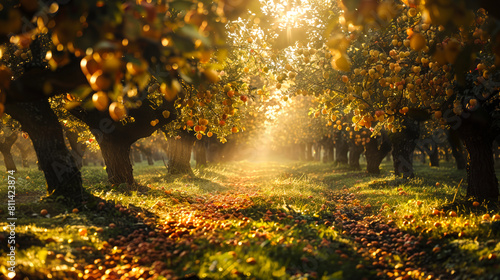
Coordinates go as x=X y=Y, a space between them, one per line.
x=434 y=156
x=61 y=173
x=309 y=152
x=317 y=151
x=135 y=156
x=328 y=147
x=200 y=152
x=341 y=149
x=116 y=156
x=355 y=152
x=403 y=145
x=146 y=151
x=478 y=135
x=481 y=178
x=375 y=152
x=179 y=153
x=301 y=150
x=24 y=151
x=122 y=135
x=5 y=149
x=212 y=155
x=77 y=149
x=429 y=147
x=149 y=158
x=457 y=148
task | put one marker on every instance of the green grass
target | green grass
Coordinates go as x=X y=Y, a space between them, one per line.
x=286 y=220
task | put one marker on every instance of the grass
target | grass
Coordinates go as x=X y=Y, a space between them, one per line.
x=274 y=220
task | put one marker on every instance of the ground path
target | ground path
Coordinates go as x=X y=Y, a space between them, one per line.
x=247 y=221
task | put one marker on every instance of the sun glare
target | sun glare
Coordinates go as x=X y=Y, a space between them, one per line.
x=287 y=13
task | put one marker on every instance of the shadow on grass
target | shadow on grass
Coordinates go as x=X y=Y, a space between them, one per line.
x=49 y=233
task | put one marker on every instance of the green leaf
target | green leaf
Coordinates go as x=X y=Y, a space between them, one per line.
x=280 y=273
x=337 y=275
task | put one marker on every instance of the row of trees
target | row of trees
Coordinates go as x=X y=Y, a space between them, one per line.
x=393 y=66
x=118 y=72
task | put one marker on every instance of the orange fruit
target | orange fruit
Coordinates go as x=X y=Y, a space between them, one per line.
x=44 y=212
x=89 y=66
x=170 y=92
x=99 y=81
x=136 y=69
x=417 y=41
x=211 y=75
x=100 y=100
x=117 y=111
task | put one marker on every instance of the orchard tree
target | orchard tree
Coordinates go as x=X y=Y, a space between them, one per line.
x=111 y=47
x=440 y=59
x=9 y=130
x=25 y=148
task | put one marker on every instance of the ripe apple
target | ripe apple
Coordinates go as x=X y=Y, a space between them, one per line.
x=100 y=100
